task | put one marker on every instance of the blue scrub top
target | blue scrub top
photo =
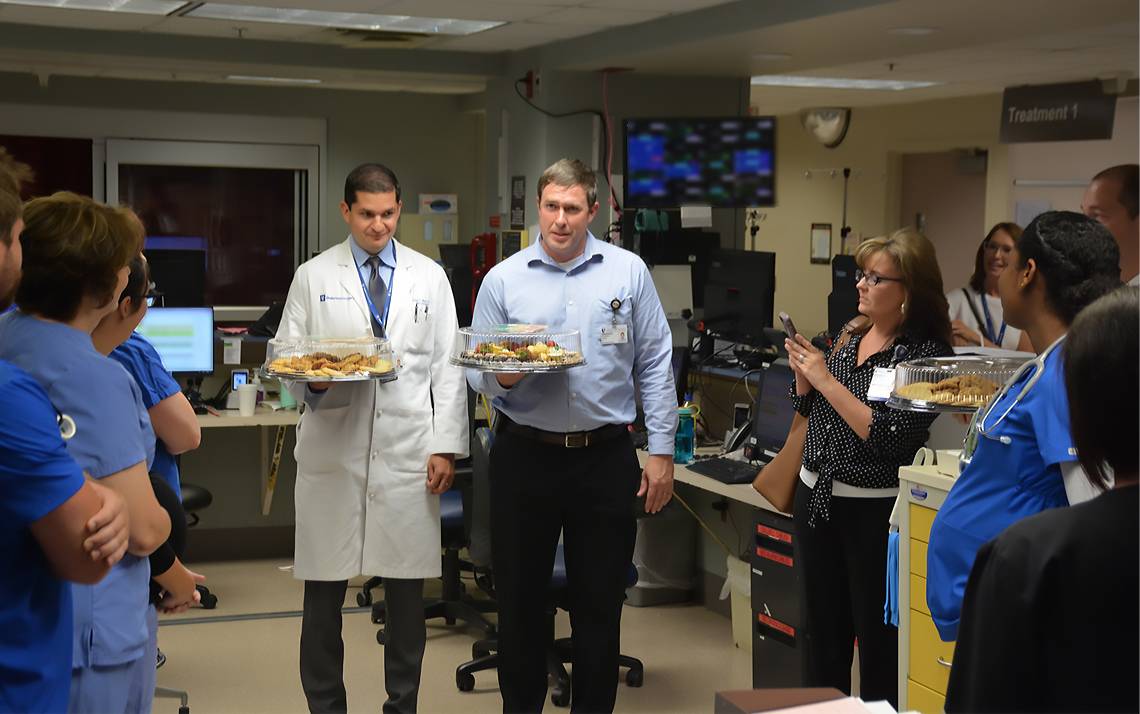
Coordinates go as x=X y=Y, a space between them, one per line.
x=112 y=433
x=1003 y=484
x=37 y=476
x=143 y=362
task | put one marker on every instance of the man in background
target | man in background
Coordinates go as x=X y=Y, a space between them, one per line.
x=1111 y=199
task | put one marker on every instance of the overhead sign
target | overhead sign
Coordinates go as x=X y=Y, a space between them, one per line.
x=1076 y=111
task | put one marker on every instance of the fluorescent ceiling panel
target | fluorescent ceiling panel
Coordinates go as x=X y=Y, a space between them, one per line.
x=141 y=7
x=783 y=80
x=352 y=20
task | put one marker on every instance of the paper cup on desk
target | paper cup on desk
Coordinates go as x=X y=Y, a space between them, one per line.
x=247 y=399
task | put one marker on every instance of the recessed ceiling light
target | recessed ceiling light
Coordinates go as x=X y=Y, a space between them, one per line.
x=351 y=20
x=771 y=56
x=778 y=80
x=275 y=80
x=141 y=7
x=912 y=31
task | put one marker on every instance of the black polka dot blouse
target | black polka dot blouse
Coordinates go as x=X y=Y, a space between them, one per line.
x=833 y=449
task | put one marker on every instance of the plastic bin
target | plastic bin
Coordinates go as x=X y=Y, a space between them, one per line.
x=665 y=557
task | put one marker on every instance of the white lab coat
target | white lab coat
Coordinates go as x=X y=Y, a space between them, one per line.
x=361 y=498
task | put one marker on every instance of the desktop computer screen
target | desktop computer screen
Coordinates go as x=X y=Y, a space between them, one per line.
x=739 y=293
x=183 y=337
x=772 y=413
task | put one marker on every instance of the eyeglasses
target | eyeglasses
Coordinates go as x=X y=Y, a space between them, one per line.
x=874 y=279
x=153 y=297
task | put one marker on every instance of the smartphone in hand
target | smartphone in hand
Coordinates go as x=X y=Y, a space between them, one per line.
x=789 y=326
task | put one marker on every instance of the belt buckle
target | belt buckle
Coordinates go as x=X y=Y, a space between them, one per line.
x=576 y=440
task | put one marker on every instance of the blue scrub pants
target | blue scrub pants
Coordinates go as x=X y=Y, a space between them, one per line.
x=127 y=688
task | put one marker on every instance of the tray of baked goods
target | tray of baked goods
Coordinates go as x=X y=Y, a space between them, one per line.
x=518 y=348
x=950 y=384
x=330 y=359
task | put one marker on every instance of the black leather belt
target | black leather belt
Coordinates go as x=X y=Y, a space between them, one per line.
x=569 y=440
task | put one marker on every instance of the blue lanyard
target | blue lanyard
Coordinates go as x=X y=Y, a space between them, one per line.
x=387 y=300
x=990 y=323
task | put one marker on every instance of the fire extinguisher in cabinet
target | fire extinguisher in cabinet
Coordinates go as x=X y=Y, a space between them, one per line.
x=482 y=258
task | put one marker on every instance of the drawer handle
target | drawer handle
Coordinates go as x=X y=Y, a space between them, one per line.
x=944 y=663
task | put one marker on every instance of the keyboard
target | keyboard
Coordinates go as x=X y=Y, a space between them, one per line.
x=725 y=470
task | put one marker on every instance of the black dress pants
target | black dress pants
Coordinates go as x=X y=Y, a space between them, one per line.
x=537 y=491
x=322 y=648
x=843 y=565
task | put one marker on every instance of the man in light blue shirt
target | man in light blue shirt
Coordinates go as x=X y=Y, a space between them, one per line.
x=562 y=460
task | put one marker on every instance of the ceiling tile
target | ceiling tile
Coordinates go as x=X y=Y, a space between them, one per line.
x=203 y=27
x=89 y=19
x=599 y=16
x=515 y=36
x=465 y=10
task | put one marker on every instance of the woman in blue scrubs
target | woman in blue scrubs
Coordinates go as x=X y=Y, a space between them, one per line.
x=1023 y=458
x=75 y=264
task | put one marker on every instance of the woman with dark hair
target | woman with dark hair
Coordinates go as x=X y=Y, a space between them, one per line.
x=976 y=315
x=852 y=454
x=1019 y=454
x=1049 y=620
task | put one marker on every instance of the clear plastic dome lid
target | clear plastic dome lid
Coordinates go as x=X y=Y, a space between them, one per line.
x=518 y=348
x=331 y=359
x=950 y=383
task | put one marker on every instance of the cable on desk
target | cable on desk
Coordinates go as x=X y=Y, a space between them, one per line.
x=702 y=523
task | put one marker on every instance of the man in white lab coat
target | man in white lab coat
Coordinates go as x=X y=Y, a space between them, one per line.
x=372 y=458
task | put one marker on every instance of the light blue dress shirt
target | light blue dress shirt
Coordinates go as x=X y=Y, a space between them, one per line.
x=387 y=263
x=530 y=287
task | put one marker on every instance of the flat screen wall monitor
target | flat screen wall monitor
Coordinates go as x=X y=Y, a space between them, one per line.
x=723 y=162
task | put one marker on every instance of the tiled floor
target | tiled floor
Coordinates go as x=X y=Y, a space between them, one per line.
x=251 y=665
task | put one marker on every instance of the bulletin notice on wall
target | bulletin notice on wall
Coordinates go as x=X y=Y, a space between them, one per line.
x=518 y=202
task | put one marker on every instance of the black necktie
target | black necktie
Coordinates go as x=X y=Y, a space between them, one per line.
x=378 y=291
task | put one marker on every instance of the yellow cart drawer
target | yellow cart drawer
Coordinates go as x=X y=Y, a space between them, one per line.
x=918 y=594
x=930 y=657
x=918 y=557
x=923 y=699
x=921 y=519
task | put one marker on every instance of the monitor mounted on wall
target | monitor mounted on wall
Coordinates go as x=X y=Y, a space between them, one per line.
x=725 y=162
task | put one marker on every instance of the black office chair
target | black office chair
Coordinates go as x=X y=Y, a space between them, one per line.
x=454 y=604
x=484 y=653
x=196 y=498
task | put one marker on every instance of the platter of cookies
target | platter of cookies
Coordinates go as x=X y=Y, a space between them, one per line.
x=950 y=384
x=323 y=359
x=518 y=348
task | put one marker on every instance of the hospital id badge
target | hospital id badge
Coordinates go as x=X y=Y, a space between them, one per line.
x=615 y=334
x=882 y=384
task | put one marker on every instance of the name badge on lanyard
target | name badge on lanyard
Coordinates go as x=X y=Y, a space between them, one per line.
x=615 y=333
x=882 y=384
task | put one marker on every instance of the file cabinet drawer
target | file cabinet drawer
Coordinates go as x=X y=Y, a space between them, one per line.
x=923 y=699
x=921 y=519
x=918 y=594
x=930 y=657
x=918 y=557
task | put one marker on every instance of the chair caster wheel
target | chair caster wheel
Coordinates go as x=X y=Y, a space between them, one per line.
x=380 y=637
x=479 y=651
x=363 y=599
x=559 y=698
x=449 y=620
x=465 y=681
x=209 y=602
x=183 y=710
x=635 y=677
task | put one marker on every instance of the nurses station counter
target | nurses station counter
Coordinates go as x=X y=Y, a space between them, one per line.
x=924 y=659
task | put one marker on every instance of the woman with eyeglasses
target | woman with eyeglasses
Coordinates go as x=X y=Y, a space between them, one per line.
x=852 y=454
x=976 y=314
x=76 y=256
x=1023 y=458
x=1049 y=620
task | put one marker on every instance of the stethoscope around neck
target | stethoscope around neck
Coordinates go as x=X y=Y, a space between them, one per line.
x=979 y=427
x=66 y=425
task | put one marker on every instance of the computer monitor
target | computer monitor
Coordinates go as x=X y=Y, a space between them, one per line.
x=183 y=337
x=773 y=411
x=674 y=285
x=739 y=293
x=681 y=246
x=178 y=269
